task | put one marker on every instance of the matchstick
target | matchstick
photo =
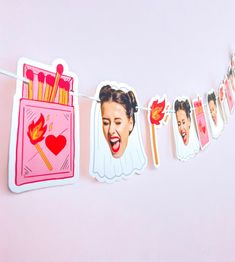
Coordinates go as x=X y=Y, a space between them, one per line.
x=36 y=133
x=59 y=71
x=43 y=156
x=154 y=145
x=49 y=84
x=41 y=78
x=61 y=91
x=29 y=75
x=66 y=92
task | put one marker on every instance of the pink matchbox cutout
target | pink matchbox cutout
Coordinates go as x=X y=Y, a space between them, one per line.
x=52 y=156
x=43 y=145
x=201 y=124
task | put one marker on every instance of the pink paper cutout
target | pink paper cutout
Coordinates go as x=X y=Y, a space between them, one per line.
x=201 y=123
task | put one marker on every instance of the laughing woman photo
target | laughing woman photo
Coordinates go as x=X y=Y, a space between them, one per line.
x=186 y=140
x=116 y=143
x=215 y=118
x=118 y=118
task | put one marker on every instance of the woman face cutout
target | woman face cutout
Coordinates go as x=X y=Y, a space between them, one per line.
x=116 y=127
x=213 y=111
x=183 y=125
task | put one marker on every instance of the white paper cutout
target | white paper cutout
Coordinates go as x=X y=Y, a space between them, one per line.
x=186 y=140
x=157 y=116
x=231 y=79
x=229 y=95
x=49 y=164
x=103 y=166
x=216 y=125
x=224 y=103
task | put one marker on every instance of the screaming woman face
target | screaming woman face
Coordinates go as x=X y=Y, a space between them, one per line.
x=213 y=111
x=183 y=125
x=116 y=127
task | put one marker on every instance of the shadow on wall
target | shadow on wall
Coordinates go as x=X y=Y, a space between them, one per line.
x=7 y=91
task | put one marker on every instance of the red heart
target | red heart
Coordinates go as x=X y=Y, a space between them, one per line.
x=55 y=144
x=204 y=129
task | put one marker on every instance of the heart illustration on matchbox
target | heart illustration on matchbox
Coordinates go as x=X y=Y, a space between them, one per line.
x=204 y=129
x=55 y=144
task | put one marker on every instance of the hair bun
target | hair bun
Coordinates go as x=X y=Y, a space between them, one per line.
x=133 y=101
x=105 y=92
x=187 y=106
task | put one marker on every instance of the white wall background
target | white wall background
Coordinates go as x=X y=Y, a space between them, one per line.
x=179 y=212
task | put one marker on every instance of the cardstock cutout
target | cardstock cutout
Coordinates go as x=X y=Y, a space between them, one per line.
x=231 y=79
x=229 y=96
x=157 y=116
x=44 y=150
x=186 y=140
x=110 y=159
x=223 y=103
x=201 y=123
x=214 y=114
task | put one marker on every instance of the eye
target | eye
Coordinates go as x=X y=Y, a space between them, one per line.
x=105 y=122
x=118 y=123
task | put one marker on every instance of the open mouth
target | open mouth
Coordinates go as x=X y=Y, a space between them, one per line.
x=215 y=120
x=115 y=144
x=184 y=136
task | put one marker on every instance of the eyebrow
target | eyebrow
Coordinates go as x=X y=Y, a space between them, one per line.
x=116 y=118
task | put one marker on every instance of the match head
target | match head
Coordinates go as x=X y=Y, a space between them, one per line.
x=66 y=85
x=61 y=83
x=50 y=80
x=29 y=74
x=60 y=69
x=41 y=77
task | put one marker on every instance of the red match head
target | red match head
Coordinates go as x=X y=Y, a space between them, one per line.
x=61 y=83
x=60 y=69
x=41 y=77
x=29 y=74
x=50 y=80
x=66 y=85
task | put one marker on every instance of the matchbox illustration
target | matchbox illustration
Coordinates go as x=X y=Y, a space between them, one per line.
x=45 y=137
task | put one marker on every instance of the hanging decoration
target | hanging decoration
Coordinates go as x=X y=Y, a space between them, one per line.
x=201 y=123
x=214 y=114
x=186 y=140
x=224 y=103
x=115 y=140
x=44 y=142
x=43 y=145
x=158 y=114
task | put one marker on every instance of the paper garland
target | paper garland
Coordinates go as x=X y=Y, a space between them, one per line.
x=44 y=144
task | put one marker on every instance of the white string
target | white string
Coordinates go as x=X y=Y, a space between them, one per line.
x=85 y=96
x=7 y=73
x=138 y=107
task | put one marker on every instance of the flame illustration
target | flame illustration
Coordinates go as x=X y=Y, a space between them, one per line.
x=37 y=130
x=157 y=113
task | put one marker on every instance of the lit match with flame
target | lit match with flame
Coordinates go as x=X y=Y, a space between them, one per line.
x=156 y=115
x=35 y=134
x=59 y=72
